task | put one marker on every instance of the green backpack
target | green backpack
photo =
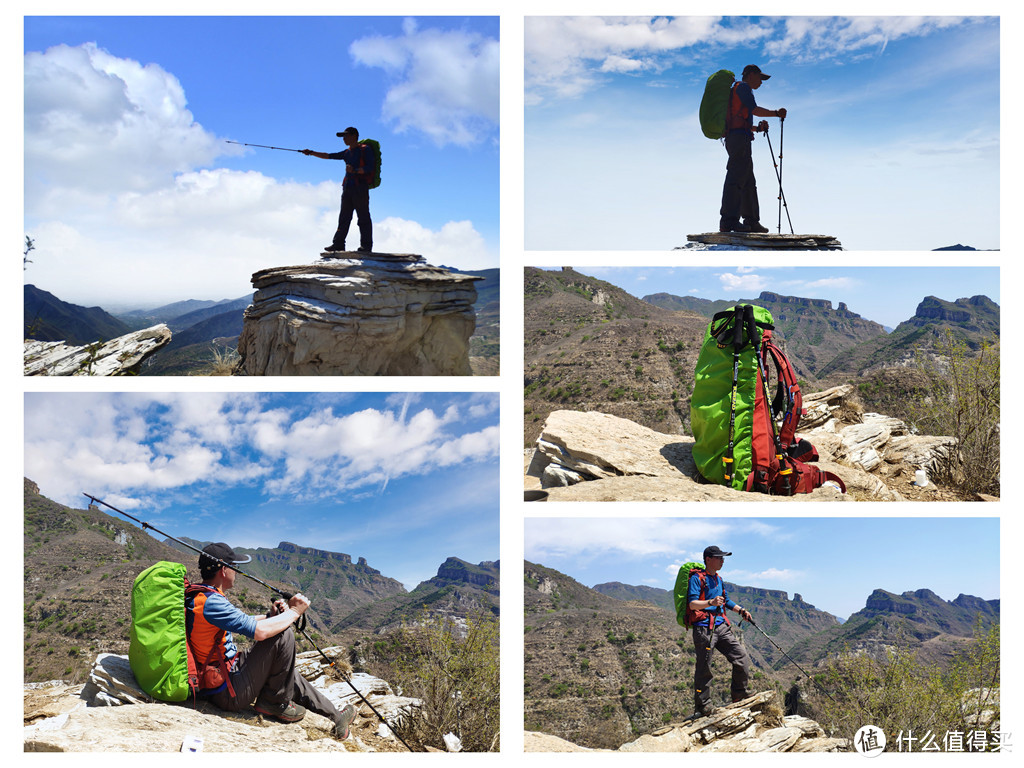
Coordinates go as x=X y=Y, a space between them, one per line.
x=715 y=105
x=158 y=651
x=680 y=593
x=745 y=437
x=375 y=146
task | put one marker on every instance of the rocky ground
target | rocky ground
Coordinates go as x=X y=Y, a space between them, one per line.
x=592 y=456
x=110 y=713
x=755 y=724
x=117 y=357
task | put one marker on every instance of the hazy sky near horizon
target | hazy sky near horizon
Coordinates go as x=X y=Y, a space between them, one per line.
x=891 y=142
x=133 y=195
x=834 y=563
x=404 y=480
x=886 y=295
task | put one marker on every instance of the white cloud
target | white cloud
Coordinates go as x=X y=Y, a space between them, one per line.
x=549 y=539
x=456 y=243
x=141 y=444
x=97 y=124
x=446 y=82
x=733 y=283
x=810 y=39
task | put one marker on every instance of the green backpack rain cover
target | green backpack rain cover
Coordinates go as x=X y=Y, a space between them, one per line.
x=711 y=403
x=158 y=650
x=681 y=590
x=715 y=105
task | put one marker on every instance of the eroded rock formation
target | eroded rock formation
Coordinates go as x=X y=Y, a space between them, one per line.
x=359 y=315
x=117 y=357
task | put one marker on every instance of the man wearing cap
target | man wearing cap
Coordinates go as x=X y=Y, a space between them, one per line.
x=708 y=602
x=355 y=189
x=739 y=196
x=266 y=671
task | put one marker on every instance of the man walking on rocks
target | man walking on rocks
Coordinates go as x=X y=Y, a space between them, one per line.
x=266 y=671
x=707 y=602
x=739 y=196
x=355 y=189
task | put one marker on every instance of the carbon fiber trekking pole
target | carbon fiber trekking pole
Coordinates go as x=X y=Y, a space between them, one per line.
x=262 y=146
x=272 y=588
x=778 y=175
x=806 y=673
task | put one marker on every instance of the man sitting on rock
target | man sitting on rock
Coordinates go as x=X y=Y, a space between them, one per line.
x=266 y=671
x=707 y=600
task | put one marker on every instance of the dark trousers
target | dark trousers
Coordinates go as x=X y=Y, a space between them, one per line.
x=267 y=671
x=706 y=641
x=355 y=199
x=739 y=195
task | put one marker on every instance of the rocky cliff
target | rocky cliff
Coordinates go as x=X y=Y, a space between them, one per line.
x=378 y=315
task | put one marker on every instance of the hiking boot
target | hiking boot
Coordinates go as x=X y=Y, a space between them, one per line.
x=705 y=711
x=332 y=248
x=285 y=713
x=756 y=226
x=345 y=718
x=361 y=249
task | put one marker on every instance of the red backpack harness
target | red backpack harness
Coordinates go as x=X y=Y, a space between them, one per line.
x=779 y=457
x=215 y=671
x=694 y=615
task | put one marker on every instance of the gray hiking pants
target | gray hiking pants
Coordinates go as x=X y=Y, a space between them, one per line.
x=267 y=671
x=706 y=641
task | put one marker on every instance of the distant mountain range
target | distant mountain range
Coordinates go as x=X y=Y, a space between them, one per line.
x=80 y=566
x=602 y=665
x=205 y=330
x=47 y=318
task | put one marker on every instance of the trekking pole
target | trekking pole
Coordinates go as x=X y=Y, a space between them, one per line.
x=281 y=592
x=806 y=674
x=778 y=175
x=782 y=129
x=262 y=146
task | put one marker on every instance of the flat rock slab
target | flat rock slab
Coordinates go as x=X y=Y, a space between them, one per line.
x=769 y=241
x=359 y=314
x=117 y=357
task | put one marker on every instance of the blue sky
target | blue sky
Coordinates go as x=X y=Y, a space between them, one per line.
x=834 y=563
x=891 y=142
x=404 y=480
x=133 y=194
x=887 y=295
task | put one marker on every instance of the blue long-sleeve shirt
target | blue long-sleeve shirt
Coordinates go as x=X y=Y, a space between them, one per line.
x=714 y=586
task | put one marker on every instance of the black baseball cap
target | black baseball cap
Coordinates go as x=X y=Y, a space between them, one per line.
x=714 y=552
x=755 y=69
x=222 y=552
x=349 y=130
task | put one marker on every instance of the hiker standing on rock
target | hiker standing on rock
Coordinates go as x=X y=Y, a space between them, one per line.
x=739 y=196
x=355 y=189
x=708 y=601
x=266 y=671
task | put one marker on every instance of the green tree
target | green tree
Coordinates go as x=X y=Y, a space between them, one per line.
x=453 y=669
x=961 y=399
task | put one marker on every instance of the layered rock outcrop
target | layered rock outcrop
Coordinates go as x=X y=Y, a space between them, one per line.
x=624 y=461
x=752 y=725
x=359 y=315
x=118 y=357
x=60 y=717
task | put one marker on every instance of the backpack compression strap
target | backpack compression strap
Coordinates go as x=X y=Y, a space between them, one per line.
x=788 y=399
